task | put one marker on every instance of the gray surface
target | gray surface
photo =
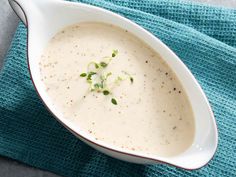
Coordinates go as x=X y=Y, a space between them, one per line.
x=8 y=23
x=11 y=168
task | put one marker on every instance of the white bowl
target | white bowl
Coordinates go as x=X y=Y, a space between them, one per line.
x=45 y=18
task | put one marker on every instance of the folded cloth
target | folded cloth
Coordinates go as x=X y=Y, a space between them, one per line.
x=203 y=37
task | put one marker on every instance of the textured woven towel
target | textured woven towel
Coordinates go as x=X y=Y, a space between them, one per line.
x=203 y=37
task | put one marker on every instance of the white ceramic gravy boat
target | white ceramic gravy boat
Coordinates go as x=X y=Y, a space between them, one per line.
x=44 y=18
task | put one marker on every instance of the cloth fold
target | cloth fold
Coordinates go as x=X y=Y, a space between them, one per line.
x=203 y=37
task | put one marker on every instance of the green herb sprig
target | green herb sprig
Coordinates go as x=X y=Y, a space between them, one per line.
x=97 y=78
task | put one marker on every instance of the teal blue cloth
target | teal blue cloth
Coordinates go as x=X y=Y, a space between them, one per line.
x=203 y=37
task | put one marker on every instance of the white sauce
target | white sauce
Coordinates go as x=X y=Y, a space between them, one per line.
x=153 y=114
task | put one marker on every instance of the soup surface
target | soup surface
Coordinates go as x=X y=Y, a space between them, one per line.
x=152 y=115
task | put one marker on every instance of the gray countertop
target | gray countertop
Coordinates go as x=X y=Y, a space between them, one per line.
x=8 y=24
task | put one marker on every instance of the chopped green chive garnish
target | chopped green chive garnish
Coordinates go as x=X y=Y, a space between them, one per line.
x=99 y=82
x=96 y=86
x=131 y=79
x=106 y=92
x=90 y=74
x=108 y=74
x=83 y=75
x=103 y=64
x=113 y=100
x=114 y=53
x=96 y=65
x=119 y=78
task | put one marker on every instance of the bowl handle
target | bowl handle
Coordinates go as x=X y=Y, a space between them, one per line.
x=18 y=7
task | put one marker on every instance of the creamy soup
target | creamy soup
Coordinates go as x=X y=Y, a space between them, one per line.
x=152 y=114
